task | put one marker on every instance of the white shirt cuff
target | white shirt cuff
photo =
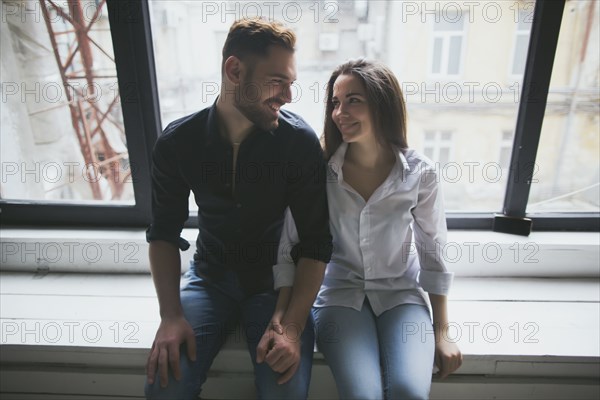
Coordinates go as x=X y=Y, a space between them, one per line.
x=436 y=282
x=283 y=275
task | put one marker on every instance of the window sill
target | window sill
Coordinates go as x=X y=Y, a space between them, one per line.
x=103 y=325
x=524 y=314
x=466 y=253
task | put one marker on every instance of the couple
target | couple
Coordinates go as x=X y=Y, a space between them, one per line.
x=371 y=314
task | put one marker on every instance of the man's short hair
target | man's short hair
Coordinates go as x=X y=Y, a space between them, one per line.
x=253 y=36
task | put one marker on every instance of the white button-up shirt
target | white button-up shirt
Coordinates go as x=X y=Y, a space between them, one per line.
x=388 y=248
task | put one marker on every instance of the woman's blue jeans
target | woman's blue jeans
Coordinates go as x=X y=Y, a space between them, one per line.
x=390 y=356
x=213 y=309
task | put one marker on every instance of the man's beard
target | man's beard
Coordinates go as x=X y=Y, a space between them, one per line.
x=256 y=111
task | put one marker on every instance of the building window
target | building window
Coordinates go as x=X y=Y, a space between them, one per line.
x=438 y=146
x=519 y=55
x=506 y=143
x=449 y=30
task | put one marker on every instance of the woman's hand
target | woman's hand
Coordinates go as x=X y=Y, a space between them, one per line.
x=448 y=357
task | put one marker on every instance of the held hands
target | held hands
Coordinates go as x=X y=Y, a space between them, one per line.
x=165 y=349
x=280 y=348
x=448 y=357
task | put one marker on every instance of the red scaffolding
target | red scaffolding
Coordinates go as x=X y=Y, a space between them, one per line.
x=88 y=116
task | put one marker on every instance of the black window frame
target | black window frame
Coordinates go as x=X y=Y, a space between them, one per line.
x=134 y=56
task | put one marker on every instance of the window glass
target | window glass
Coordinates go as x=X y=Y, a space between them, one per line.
x=454 y=61
x=566 y=176
x=436 y=67
x=454 y=55
x=62 y=134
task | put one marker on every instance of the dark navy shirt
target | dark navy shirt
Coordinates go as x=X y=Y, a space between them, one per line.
x=239 y=230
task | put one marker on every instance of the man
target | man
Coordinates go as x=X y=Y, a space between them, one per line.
x=246 y=161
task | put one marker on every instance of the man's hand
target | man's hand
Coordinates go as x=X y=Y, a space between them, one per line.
x=165 y=349
x=448 y=357
x=280 y=348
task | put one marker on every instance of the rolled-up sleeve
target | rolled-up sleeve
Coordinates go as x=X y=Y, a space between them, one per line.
x=284 y=270
x=170 y=195
x=307 y=199
x=430 y=234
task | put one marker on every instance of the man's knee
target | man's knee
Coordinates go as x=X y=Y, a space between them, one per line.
x=193 y=375
x=289 y=390
x=296 y=388
x=174 y=390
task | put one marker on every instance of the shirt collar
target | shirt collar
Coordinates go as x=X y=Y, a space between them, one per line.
x=212 y=126
x=401 y=159
x=336 y=162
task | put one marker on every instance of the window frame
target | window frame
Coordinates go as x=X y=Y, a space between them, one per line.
x=134 y=59
x=132 y=41
x=543 y=41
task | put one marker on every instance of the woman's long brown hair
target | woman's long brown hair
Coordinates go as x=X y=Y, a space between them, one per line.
x=385 y=101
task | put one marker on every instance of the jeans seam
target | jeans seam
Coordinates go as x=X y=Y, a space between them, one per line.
x=385 y=367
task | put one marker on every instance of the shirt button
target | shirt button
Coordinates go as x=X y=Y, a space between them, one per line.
x=238 y=205
x=364 y=240
x=227 y=185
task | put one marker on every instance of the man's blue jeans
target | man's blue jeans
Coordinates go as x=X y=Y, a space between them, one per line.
x=213 y=309
x=389 y=356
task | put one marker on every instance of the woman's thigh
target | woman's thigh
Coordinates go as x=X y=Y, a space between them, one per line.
x=407 y=346
x=348 y=340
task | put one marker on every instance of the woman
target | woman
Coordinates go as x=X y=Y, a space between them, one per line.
x=387 y=220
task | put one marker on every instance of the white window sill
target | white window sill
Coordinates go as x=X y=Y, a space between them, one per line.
x=466 y=253
x=80 y=333
x=539 y=320
x=515 y=317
